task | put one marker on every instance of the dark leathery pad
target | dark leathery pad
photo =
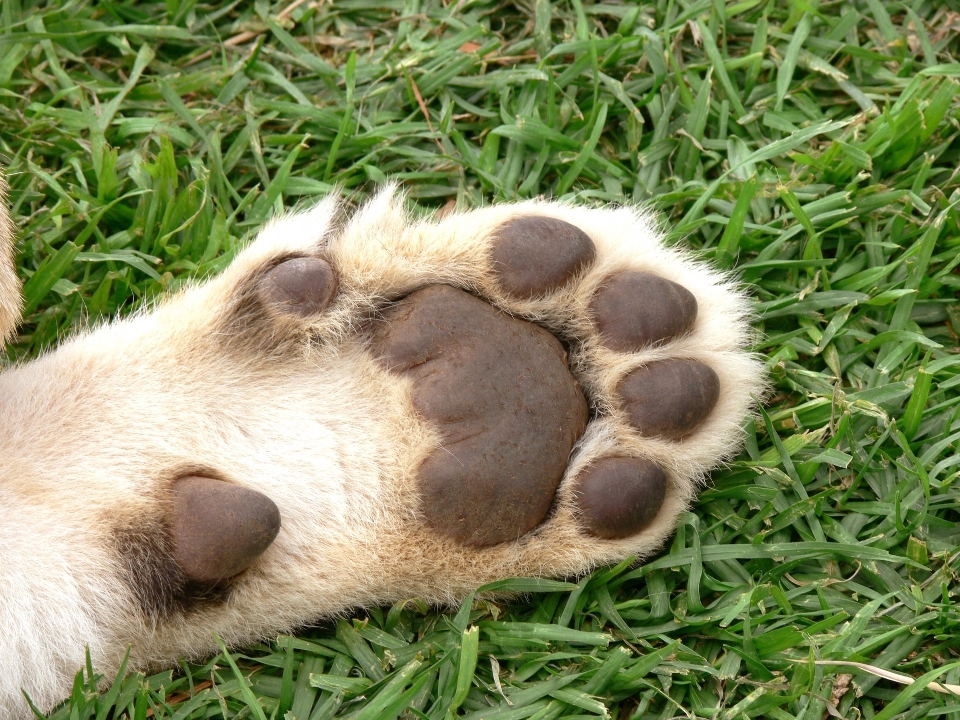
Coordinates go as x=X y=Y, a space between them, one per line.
x=635 y=309
x=533 y=255
x=619 y=496
x=301 y=286
x=669 y=398
x=500 y=394
x=219 y=528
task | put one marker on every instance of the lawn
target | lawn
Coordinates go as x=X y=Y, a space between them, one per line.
x=810 y=148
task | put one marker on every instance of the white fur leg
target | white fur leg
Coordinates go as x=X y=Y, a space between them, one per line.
x=9 y=282
x=206 y=383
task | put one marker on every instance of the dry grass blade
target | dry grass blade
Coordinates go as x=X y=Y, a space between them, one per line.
x=891 y=675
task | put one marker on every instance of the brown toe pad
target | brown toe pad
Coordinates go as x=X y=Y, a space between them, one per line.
x=669 y=398
x=300 y=286
x=500 y=394
x=218 y=528
x=636 y=309
x=534 y=255
x=620 y=496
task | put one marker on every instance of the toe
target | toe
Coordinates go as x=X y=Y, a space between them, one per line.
x=619 y=496
x=636 y=309
x=534 y=255
x=301 y=286
x=670 y=398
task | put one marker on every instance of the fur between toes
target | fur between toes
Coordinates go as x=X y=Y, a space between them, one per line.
x=242 y=488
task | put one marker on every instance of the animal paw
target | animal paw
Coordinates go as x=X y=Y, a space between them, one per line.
x=355 y=414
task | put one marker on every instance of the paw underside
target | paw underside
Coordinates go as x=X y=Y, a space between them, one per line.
x=574 y=395
x=361 y=412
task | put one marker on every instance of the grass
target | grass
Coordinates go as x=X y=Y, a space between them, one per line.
x=812 y=147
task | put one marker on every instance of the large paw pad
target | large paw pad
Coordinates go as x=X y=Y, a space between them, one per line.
x=506 y=406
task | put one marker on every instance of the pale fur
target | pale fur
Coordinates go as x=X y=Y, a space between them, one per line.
x=93 y=432
x=9 y=282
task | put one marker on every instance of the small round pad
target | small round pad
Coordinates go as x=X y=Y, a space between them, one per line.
x=534 y=255
x=218 y=528
x=500 y=394
x=669 y=398
x=299 y=286
x=619 y=496
x=636 y=309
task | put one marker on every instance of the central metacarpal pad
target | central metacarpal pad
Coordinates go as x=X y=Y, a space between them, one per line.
x=500 y=394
